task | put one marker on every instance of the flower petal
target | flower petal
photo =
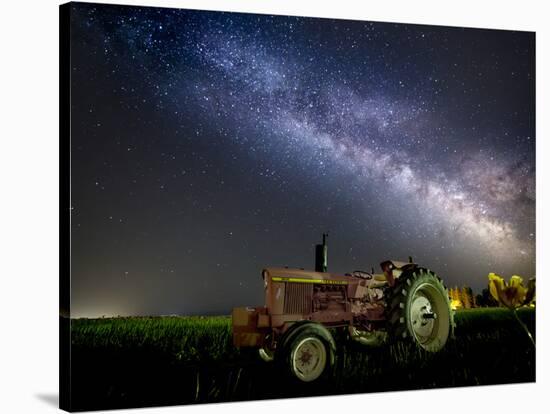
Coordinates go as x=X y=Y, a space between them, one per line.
x=515 y=281
x=493 y=288
x=496 y=287
x=530 y=296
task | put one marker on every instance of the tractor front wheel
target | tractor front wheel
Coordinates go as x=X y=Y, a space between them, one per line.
x=309 y=352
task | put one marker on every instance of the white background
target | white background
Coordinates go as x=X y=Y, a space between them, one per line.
x=29 y=204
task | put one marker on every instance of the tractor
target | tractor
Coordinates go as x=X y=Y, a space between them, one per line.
x=304 y=309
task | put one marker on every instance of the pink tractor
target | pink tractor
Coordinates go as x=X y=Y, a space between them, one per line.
x=303 y=309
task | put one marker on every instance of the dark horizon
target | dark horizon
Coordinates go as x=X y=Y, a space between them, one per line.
x=206 y=146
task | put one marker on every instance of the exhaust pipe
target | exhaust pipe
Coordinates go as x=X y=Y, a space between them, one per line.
x=321 y=252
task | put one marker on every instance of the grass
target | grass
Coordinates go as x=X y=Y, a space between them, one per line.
x=148 y=361
x=184 y=339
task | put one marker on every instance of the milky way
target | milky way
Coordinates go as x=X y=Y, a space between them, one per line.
x=242 y=137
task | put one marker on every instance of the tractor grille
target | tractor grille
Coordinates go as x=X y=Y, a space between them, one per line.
x=298 y=298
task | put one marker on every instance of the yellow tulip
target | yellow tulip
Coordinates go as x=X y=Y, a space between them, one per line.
x=512 y=294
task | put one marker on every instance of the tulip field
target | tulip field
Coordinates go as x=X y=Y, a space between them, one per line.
x=149 y=361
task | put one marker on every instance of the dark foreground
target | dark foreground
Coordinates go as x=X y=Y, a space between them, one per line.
x=137 y=362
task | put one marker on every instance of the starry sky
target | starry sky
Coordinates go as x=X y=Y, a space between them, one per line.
x=206 y=146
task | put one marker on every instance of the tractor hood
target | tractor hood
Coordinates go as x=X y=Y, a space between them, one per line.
x=283 y=274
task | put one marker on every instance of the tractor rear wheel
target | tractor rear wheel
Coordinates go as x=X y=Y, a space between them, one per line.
x=419 y=308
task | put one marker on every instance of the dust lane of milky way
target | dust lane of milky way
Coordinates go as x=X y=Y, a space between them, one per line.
x=470 y=203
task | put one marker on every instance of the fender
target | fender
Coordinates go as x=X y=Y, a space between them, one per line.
x=393 y=269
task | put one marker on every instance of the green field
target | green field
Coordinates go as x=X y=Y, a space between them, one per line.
x=147 y=361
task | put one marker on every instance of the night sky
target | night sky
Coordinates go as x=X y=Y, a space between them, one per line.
x=208 y=145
